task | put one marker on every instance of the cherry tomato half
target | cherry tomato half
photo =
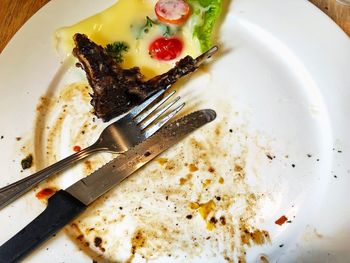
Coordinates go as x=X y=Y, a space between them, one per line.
x=172 y=11
x=165 y=48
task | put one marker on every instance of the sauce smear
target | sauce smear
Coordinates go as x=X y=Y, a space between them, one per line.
x=45 y=193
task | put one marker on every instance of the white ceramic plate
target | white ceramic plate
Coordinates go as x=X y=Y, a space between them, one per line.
x=284 y=75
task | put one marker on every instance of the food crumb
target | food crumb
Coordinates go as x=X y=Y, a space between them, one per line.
x=193 y=205
x=97 y=241
x=182 y=181
x=222 y=220
x=162 y=161
x=193 y=168
x=206 y=208
x=281 y=220
x=264 y=259
x=206 y=183
x=309 y=155
x=27 y=162
x=238 y=168
x=221 y=180
x=18 y=138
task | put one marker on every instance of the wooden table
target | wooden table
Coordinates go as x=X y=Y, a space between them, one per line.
x=13 y=14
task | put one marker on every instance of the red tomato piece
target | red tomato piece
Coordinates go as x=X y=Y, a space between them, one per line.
x=172 y=11
x=165 y=48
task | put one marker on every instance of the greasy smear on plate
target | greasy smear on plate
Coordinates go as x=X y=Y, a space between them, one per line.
x=193 y=200
x=70 y=108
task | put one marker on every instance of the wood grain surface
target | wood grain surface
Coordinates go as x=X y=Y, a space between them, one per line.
x=14 y=13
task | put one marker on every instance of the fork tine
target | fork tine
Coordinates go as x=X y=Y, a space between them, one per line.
x=163 y=121
x=145 y=124
x=153 y=108
x=138 y=109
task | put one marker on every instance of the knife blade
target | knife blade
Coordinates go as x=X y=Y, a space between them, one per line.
x=65 y=205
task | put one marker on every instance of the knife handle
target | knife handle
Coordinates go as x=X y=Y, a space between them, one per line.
x=61 y=209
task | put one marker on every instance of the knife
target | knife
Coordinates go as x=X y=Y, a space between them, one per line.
x=65 y=205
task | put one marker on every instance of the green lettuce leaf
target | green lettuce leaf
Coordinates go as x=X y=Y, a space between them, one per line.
x=205 y=14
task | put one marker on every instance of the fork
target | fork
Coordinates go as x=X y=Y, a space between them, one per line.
x=136 y=126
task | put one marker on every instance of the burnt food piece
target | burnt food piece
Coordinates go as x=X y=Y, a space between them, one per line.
x=117 y=90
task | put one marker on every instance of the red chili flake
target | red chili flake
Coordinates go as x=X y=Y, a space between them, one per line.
x=77 y=148
x=45 y=193
x=280 y=221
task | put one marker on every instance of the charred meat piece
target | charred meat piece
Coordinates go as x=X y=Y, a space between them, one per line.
x=116 y=90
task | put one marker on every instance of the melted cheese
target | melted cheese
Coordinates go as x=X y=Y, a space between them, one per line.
x=119 y=23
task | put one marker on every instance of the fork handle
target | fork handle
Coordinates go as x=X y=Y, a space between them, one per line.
x=11 y=192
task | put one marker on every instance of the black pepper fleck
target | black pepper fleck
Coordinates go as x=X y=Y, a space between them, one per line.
x=189 y=216
x=222 y=220
x=281 y=245
x=309 y=155
x=270 y=156
x=293 y=165
x=2 y=137
x=231 y=130
x=147 y=154
x=213 y=220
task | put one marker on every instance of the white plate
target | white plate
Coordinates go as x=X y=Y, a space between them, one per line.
x=284 y=69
